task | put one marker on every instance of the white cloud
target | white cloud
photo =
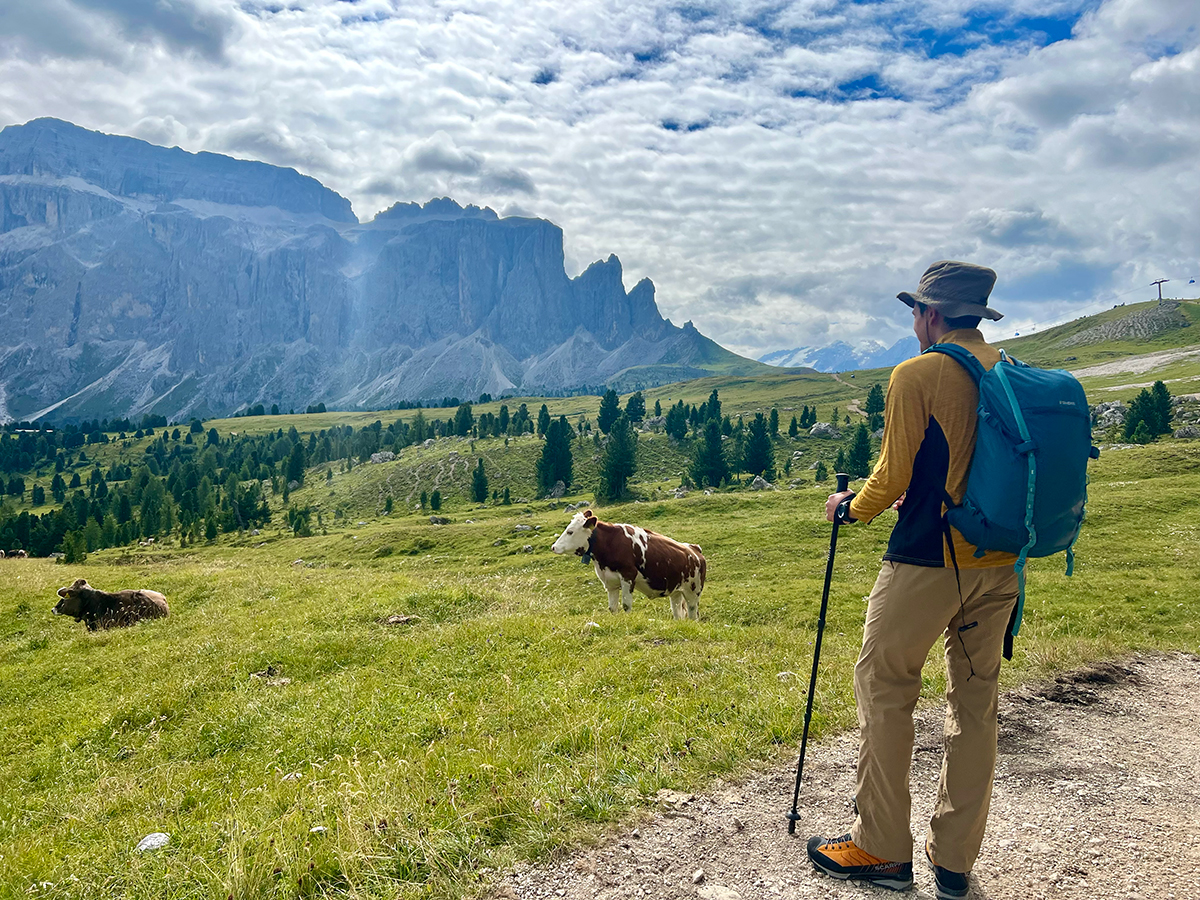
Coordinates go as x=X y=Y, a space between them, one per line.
x=716 y=149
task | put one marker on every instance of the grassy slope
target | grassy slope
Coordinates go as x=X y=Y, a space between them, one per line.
x=502 y=724
x=1044 y=348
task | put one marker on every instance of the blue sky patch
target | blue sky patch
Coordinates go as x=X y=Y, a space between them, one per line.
x=869 y=87
x=994 y=27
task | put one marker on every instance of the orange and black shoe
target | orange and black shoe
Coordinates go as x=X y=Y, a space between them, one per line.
x=841 y=858
x=950 y=885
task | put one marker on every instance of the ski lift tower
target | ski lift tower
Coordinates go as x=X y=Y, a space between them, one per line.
x=1160 y=283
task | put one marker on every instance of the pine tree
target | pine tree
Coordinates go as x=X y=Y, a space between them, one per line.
x=1142 y=410
x=556 y=462
x=620 y=460
x=296 y=464
x=424 y=499
x=821 y=472
x=773 y=423
x=610 y=409
x=709 y=467
x=794 y=428
x=874 y=407
x=543 y=420
x=464 y=419
x=839 y=464
x=479 y=483
x=676 y=424
x=635 y=407
x=858 y=460
x=507 y=500
x=758 y=458
x=1160 y=399
x=435 y=500
x=713 y=406
x=657 y=409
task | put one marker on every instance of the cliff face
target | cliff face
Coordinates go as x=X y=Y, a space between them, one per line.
x=137 y=279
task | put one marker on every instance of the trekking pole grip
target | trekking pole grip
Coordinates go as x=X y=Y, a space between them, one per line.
x=843 y=482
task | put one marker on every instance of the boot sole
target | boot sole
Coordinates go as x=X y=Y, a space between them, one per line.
x=891 y=884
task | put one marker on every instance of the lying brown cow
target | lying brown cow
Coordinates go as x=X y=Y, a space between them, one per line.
x=628 y=557
x=100 y=609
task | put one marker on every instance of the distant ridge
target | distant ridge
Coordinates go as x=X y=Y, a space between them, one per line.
x=841 y=356
x=139 y=279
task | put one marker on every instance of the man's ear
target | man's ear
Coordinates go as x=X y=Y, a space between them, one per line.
x=590 y=521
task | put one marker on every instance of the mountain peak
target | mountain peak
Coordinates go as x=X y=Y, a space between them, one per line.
x=841 y=356
x=437 y=208
x=128 y=167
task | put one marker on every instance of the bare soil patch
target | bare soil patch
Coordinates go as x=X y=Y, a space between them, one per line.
x=1136 y=365
x=1097 y=795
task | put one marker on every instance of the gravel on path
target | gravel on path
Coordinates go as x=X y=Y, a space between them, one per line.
x=1097 y=794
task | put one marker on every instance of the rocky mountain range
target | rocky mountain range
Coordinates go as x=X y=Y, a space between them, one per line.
x=139 y=279
x=841 y=357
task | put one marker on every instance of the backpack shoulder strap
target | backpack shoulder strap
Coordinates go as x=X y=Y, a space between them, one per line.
x=964 y=357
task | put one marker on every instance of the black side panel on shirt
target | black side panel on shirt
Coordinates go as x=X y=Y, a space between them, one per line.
x=917 y=538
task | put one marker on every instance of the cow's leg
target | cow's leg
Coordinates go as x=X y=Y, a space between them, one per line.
x=612 y=584
x=677 y=611
x=626 y=595
x=613 y=599
x=693 y=605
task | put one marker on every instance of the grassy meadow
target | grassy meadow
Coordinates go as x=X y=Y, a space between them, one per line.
x=516 y=717
x=294 y=744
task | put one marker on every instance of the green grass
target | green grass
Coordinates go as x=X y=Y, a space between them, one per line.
x=503 y=725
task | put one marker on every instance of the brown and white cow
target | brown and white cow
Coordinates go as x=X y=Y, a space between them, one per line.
x=627 y=557
x=17 y=554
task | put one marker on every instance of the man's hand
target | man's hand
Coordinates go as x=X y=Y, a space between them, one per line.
x=834 y=501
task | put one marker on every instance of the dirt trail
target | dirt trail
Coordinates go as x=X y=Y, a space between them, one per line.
x=853 y=405
x=1137 y=365
x=1097 y=795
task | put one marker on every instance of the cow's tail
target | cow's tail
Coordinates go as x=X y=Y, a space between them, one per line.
x=703 y=565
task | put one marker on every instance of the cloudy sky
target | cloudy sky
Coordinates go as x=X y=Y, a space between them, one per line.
x=779 y=169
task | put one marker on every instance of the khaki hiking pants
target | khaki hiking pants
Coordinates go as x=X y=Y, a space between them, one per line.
x=907 y=610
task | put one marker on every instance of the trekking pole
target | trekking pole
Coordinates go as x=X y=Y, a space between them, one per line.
x=843 y=483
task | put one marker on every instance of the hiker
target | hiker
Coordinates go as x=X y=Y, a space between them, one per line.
x=928 y=441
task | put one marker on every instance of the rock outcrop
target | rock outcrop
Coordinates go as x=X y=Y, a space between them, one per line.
x=138 y=279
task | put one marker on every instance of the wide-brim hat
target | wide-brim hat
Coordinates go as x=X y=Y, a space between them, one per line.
x=955 y=289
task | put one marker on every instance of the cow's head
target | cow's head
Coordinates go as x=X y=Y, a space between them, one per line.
x=71 y=602
x=577 y=535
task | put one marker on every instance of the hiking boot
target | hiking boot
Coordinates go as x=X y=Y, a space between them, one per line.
x=950 y=885
x=841 y=858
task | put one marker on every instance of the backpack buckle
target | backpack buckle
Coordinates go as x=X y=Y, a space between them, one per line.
x=1026 y=446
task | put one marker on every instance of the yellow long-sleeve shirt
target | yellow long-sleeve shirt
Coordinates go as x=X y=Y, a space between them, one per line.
x=928 y=440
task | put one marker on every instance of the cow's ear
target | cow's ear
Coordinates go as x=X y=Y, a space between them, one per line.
x=590 y=521
x=587 y=513
x=79 y=583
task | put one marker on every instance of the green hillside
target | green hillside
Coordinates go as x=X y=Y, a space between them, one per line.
x=294 y=744
x=1135 y=329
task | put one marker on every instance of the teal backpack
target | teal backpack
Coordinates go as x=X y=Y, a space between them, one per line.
x=1027 y=485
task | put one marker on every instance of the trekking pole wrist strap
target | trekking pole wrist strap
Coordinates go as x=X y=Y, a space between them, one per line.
x=843 y=511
